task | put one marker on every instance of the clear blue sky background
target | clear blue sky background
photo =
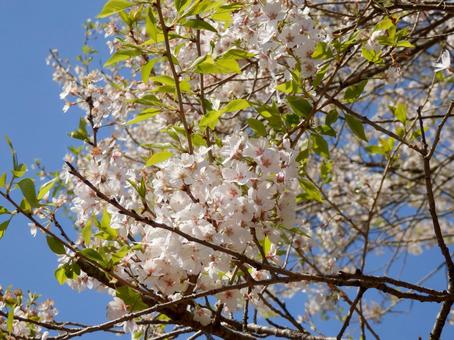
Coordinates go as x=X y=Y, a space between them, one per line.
x=31 y=114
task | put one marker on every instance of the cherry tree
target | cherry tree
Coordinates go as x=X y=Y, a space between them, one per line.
x=235 y=156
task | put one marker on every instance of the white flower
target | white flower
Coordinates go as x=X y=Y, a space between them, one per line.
x=445 y=62
x=116 y=309
x=202 y=315
x=230 y=299
x=273 y=10
x=33 y=229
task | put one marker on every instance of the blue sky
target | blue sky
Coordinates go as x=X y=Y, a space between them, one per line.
x=31 y=114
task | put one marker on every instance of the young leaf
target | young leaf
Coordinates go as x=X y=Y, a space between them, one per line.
x=356 y=126
x=257 y=126
x=19 y=171
x=9 y=322
x=60 y=274
x=331 y=117
x=114 y=6
x=13 y=152
x=159 y=157
x=299 y=105
x=353 y=92
x=3 y=227
x=131 y=298
x=236 y=105
x=150 y=26
x=86 y=233
x=311 y=192
x=405 y=43
x=81 y=132
x=400 y=111
x=180 y=5
x=55 y=245
x=105 y=227
x=207 y=65
x=210 y=120
x=320 y=145
x=45 y=188
x=27 y=187
x=121 y=55
x=199 y=24
x=144 y=115
x=146 y=69
x=266 y=245
x=93 y=255
x=2 y=180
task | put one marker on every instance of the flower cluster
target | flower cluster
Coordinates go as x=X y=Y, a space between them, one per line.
x=12 y=301
x=246 y=195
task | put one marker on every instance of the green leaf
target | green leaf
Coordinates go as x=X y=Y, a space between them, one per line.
x=287 y=87
x=199 y=24
x=158 y=157
x=25 y=206
x=45 y=188
x=331 y=117
x=400 y=111
x=86 y=233
x=27 y=187
x=198 y=140
x=405 y=43
x=81 y=132
x=356 y=126
x=3 y=227
x=266 y=245
x=374 y=149
x=60 y=275
x=9 y=322
x=210 y=119
x=3 y=180
x=236 y=105
x=122 y=55
x=371 y=55
x=353 y=92
x=299 y=105
x=13 y=152
x=325 y=171
x=144 y=115
x=93 y=255
x=384 y=24
x=322 y=51
x=55 y=245
x=120 y=254
x=20 y=171
x=236 y=53
x=320 y=145
x=104 y=225
x=146 y=69
x=207 y=65
x=114 y=6
x=3 y=210
x=257 y=126
x=131 y=298
x=150 y=26
x=326 y=130
x=180 y=5
x=163 y=79
x=311 y=192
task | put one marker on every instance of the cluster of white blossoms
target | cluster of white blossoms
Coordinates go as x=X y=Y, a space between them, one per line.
x=245 y=195
x=43 y=312
x=279 y=32
x=241 y=198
